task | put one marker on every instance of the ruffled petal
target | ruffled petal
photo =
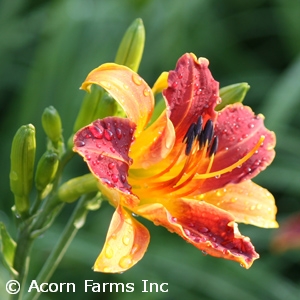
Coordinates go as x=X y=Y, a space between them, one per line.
x=239 y=131
x=126 y=243
x=104 y=145
x=205 y=226
x=248 y=202
x=191 y=92
x=128 y=88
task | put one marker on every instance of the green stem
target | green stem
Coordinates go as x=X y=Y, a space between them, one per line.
x=61 y=247
x=25 y=241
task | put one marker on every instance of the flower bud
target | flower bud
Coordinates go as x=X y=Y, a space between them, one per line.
x=22 y=165
x=52 y=124
x=132 y=46
x=46 y=170
x=76 y=187
x=233 y=93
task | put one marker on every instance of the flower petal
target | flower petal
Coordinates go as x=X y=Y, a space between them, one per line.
x=288 y=235
x=248 y=202
x=192 y=92
x=239 y=131
x=205 y=226
x=154 y=144
x=126 y=243
x=128 y=88
x=104 y=145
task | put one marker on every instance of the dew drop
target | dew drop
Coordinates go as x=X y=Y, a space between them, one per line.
x=109 y=252
x=217 y=176
x=135 y=248
x=123 y=178
x=114 y=178
x=96 y=132
x=137 y=79
x=79 y=143
x=126 y=262
x=125 y=86
x=203 y=230
x=174 y=84
x=111 y=165
x=88 y=157
x=135 y=215
x=108 y=134
x=146 y=92
x=119 y=133
x=251 y=125
x=126 y=240
x=204 y=252
x=174 y=219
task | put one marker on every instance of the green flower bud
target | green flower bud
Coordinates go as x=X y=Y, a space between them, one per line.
x=46 y=170
x=22 y=164
x=233 y=93
x=76 y=187
x=52 y=124
x=132 y=46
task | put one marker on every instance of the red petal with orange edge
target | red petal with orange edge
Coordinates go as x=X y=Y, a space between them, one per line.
x=192 y=92
x=239 y=130
x=126 y=243
x=104 y=145
x=248 y=202
x=128 y=88
x=208 y=228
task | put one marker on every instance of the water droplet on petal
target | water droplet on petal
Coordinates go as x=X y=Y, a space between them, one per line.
x=125 y=240
x=119 y=133
x=96 y=132
x=137 y=79
x=79 y=143
x=109 y=252
x=146 y=92
x=126 y=262
x=108 y=134
x=204 y=252
x=114 y=178
x=111 y=165
x=251 y=125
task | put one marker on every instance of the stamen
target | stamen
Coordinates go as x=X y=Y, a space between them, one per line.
x=233 y=166
x=198 y=127
x=189 y=133
x=207 y=134
x=214 y=146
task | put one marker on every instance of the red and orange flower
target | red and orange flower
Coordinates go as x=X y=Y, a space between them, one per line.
x=190 y=170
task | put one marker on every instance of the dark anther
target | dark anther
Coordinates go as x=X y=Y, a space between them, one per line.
x=190 y=134
x=214 y=146
x=207 y=134
x=190 y=139
x=198 y=127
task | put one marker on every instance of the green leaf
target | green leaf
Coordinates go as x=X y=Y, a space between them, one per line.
x=8 y=249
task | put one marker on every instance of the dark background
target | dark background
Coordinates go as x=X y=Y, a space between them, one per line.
x=46 y=50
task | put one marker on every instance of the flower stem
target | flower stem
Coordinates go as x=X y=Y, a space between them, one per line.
x=61 y=247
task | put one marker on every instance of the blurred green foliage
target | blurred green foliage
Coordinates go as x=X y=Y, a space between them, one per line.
x=46 y=50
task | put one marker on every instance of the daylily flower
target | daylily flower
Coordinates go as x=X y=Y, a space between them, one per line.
x=190 y=170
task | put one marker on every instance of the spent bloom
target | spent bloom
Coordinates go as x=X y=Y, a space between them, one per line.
x=189 y=170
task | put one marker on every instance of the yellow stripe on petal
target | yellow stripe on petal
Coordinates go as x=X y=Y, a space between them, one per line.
x=127 y=88
x=126 y=243
x=248 y=202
